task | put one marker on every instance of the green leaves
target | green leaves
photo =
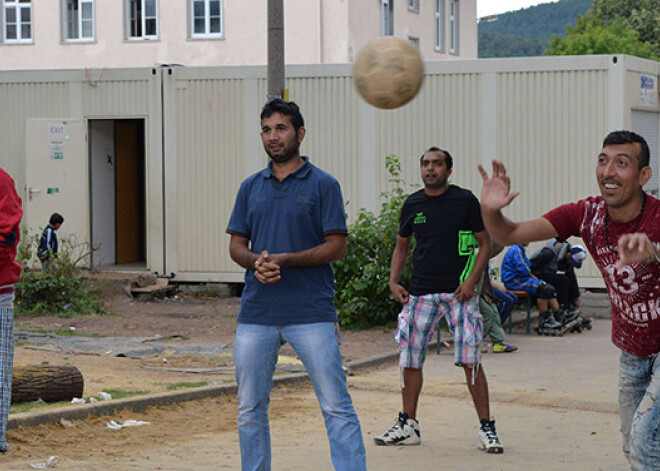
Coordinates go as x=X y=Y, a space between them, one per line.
x=642 y=16
x=591 y=36
x=60 y=292
x=363 y=297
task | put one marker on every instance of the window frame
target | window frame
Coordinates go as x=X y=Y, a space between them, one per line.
x=414 y=5
x=65 y=23
x=18 y=6
x=207 y=20
x=454 y=27
x=386 y=17
x=440 y=29
x=128 y=21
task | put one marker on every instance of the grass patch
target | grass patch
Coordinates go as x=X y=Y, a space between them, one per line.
x=28 y=406
x=61 y=332
x=184 y=385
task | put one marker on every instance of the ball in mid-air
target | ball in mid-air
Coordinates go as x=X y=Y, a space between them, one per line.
x=388 y=72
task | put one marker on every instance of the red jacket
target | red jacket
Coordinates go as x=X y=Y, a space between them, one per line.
x=11 y=213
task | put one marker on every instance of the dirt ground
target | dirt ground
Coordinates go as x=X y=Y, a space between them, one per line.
x=180 y=321
x=201 y=435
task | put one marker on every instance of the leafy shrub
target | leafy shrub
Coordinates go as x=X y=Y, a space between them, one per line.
x=62 y=291
x=363 y=297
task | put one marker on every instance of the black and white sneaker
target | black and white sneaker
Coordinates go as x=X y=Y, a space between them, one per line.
x=488 y=437
x=404 y=432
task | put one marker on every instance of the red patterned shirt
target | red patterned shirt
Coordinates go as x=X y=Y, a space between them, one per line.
x=634 y=290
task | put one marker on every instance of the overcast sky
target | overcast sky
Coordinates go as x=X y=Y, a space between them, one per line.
x=490 y=7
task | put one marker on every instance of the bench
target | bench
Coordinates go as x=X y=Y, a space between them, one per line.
x=525 y=299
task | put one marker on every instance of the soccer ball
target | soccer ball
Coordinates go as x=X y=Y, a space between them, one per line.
x=388 y=72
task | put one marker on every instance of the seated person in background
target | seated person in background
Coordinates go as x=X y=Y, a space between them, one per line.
x=506 y=300
x=488 y=306
x=517 y=275
x=555 y=263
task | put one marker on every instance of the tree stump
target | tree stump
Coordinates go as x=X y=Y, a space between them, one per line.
x=48 y=383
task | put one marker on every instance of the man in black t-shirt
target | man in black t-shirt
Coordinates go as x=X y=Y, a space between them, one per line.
x=446 y=222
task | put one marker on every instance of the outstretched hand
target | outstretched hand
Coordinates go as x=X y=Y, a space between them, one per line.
x=496 y=190
x=634 y=248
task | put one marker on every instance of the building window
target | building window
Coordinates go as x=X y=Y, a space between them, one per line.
x=205 y=19
x=413 y=5
x=414 y=41
x=17 y=21
x=453 y=27
x=387 y=17
x=78 y=20
x=440 y=25
x=141 y=19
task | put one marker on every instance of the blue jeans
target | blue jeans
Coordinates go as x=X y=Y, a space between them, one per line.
x=255 y=355
x=507 y=301
x=639 y=387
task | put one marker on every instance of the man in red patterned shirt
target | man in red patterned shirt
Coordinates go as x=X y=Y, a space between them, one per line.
x=621 y=229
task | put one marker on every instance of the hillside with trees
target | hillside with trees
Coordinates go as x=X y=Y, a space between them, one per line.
x=527 y=32
x=613 y=27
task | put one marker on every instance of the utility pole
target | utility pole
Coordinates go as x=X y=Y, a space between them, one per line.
x=275 y=49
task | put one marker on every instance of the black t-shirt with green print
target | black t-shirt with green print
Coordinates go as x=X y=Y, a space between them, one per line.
x=444 y=228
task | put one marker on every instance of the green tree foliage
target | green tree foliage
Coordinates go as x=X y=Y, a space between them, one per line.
x=62 y=291
x=502 y=45
x=527 y=32
x=363 y=297
x=538 y=22
x=641 y=15
x=591 y=36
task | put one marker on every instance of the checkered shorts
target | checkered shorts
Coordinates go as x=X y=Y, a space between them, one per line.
x=419 y=318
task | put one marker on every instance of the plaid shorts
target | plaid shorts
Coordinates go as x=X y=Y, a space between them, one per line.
x=6 y=362
x=419 y=318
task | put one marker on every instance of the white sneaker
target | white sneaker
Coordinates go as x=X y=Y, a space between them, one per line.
x=488 y=437
x=404 y=432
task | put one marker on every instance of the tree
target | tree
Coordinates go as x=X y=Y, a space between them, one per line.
x=641 y=15
x=500 y=45
x=591 y=36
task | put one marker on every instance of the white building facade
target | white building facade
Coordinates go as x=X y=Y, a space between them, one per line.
x=74 y=34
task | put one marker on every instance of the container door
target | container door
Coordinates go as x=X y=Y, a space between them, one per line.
x=57 y=178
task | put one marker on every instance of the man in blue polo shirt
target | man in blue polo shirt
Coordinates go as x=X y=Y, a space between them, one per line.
x=286 y=228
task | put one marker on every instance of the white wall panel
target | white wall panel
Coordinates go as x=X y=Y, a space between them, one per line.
x=209 y=168
x=544 y=117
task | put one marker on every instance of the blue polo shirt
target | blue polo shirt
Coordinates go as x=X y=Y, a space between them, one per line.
x=289 y=216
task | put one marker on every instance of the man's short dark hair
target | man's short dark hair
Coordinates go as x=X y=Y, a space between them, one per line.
x=449 y=161
x=629 y=137
x=285 y=108
x=56 y=218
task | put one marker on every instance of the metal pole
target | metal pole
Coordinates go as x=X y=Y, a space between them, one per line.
x=275 y=49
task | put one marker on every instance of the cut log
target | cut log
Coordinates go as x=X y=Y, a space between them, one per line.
x=48 y=383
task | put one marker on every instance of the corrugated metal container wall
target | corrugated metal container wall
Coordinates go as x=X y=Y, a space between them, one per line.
x=22 y=97
x=210 y=167
x=550 y=126
x=125 y=98
x=330 y=107
x=447 y=114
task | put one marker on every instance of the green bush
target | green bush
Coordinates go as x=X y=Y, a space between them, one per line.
x=62 y=291
x=363 y=297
